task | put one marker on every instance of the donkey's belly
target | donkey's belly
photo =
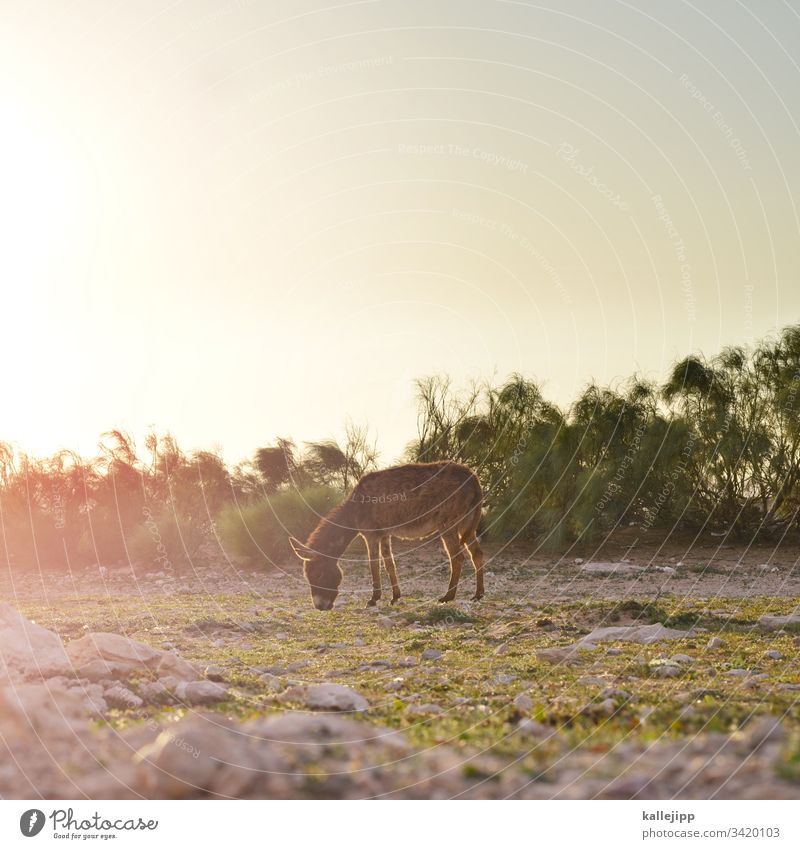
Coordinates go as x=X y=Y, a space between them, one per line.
x=417 y=529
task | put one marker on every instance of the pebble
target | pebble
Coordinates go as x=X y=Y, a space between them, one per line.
x=773 y=655
x=523 y=702
x=666 y=671
x=716 y=643
x=431 y=654
x=122 y=698
x=429 y=707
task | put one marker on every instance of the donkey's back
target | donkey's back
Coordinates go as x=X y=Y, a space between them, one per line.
x=419 y=499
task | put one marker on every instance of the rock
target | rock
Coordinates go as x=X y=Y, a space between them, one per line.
x=428 y=708
x=215 y=673
x=523 y=702
x=111 y=647
x=773 y=654
x=666 y=670
x=773 y=622
x=326 y=697
x=607 y=707
x=591 y=681
x=99 y=656
x=611 y=568
x=644 y=634
x=578 y=561
x=27 y=650
x=431 y=654
x=682 y=659
x=170 y=664
x=155 y=693
x=614 y=693
x=613 y=652
x=91 y=695
x=197 y=693
x=738 y=673
x=200 y=757
x=385 y=622
x=559 y=654
x=122 y=698
x=102 y=670
x=393 y=686
x=271 y=682
x=716 y=643
x=408 y=662
x=39 y=712
x=505 y=678
x=535 y=729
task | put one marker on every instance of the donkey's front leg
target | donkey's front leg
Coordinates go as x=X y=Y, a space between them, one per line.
x=374 y=557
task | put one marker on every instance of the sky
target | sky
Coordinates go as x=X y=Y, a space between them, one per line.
x=235 y=220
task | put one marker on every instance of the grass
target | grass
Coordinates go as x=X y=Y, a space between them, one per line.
x=489 y=657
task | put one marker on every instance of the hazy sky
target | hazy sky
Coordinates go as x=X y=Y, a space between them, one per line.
x=239 y=219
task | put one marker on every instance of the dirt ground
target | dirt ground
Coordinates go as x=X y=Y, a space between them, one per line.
x=485 y=699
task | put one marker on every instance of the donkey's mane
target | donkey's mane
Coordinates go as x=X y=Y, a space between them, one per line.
x=333 y=529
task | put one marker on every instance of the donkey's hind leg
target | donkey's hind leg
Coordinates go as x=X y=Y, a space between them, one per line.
x=455 y=551
x=374 y=557
x=476 y=556
x=387 y=555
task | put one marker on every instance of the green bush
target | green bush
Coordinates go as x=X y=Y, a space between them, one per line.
x=260 y=531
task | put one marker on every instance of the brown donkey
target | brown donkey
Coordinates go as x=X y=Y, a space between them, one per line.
x=409 y=502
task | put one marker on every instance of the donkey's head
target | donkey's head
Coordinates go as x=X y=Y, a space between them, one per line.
x=322 y=573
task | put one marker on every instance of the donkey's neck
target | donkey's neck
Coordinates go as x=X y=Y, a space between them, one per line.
x=334 y=532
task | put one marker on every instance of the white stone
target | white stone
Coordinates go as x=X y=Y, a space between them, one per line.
x=523 y=702
x=28 y=650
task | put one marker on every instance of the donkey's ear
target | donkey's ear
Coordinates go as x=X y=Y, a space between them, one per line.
x=299 y=549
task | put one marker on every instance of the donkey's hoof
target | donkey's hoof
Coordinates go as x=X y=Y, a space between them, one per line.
x=477 y=597
x=395 y=599
x=373 y=602
x=448 y=597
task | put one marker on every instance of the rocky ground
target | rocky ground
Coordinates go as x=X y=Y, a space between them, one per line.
x=627 y=671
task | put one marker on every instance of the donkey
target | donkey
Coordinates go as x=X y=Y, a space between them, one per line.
x=412 y=501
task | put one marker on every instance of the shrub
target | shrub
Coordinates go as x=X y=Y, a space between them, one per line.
x=167 y=541
x=260 y=531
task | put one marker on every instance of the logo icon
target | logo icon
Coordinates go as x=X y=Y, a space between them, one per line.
x=31 y=822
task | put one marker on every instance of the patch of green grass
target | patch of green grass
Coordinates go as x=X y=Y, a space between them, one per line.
x=489 y=658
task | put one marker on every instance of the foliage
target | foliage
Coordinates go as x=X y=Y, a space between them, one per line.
x=260 y=531
x=716 y=447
